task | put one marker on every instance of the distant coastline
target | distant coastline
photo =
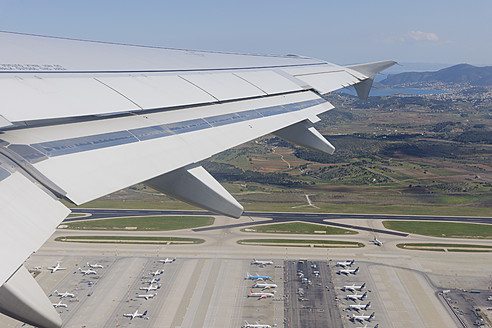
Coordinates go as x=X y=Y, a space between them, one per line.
x=395 y=92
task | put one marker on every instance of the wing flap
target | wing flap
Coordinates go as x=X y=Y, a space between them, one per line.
x=158 y=91
x=325 y=82
x=91 y=159
x=28 y=217
x=224 y=86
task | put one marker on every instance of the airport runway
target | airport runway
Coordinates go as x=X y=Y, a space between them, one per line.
x=277 y=217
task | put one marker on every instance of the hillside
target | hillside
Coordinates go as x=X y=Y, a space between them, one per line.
x=462 y=73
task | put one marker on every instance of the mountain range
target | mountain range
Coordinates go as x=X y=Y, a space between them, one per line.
x=462 y=73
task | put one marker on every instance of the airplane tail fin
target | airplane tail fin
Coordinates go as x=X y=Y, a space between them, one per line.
x=368 y=305
x=363 y=285
x=364 y=295
x=356 y=270
x=145 y=312
x=376 y=326
x=372 y=315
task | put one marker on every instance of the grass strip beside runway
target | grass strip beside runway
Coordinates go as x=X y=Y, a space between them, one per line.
x=301 y=243
x=442 y=229
x=150 y=223
x=130 y=240
x=437 y=247
x=298 y=228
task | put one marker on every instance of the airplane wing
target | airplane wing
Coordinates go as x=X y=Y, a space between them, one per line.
x=79 y=120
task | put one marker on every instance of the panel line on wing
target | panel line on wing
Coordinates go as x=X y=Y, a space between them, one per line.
x=110 y=139
x=121 y=94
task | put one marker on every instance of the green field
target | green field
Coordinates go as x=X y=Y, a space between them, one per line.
x=301 y=243
x=282 y=206
x=394 y=155
x=442 y=229
x=438 y=247
x=298 y=228
x=129 y=240
x=151 y=223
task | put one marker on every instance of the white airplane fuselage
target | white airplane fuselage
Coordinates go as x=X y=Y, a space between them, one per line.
x=356 y=297
x=95 y=266
x=359 y=307
x=56 y=268
x=345 y=263
x=260 y=295
x=63 y=295
x=60 y=304
x=264 y=285
x=262 y=263
x=353 y=287
x=362 y=317
x=134 y=315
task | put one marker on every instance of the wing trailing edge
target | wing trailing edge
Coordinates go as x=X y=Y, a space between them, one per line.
x=87 y=121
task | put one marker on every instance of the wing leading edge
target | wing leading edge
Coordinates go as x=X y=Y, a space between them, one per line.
x=76 y=128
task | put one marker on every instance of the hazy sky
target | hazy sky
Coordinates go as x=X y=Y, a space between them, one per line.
x=343 y=32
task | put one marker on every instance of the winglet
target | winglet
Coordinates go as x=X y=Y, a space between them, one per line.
x=370 y=70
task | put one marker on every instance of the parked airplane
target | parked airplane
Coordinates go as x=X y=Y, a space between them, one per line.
x=345 y=263
x=355 y=297
x=95 y=266
x=67 y=101
x=62 y=295
x=377 y=242
x=365 y=326
x=257 y=277
x=261 y=263
x=256 y=325
x=87 y=272
x=59 y=304
x=147 y=296
x=353 y=287
x=260 y=295
x=56 y=268
x=362 y=317
x=135 y=315
x=348 y=271
x=156 y=273
x=150 y=282
x=168 y=260
x=264 y=285
x=359 y=307
x=151 y=287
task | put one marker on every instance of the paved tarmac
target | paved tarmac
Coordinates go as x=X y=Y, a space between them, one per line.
x=206 y=286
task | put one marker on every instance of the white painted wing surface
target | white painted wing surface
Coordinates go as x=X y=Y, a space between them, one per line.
x=79 y=120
